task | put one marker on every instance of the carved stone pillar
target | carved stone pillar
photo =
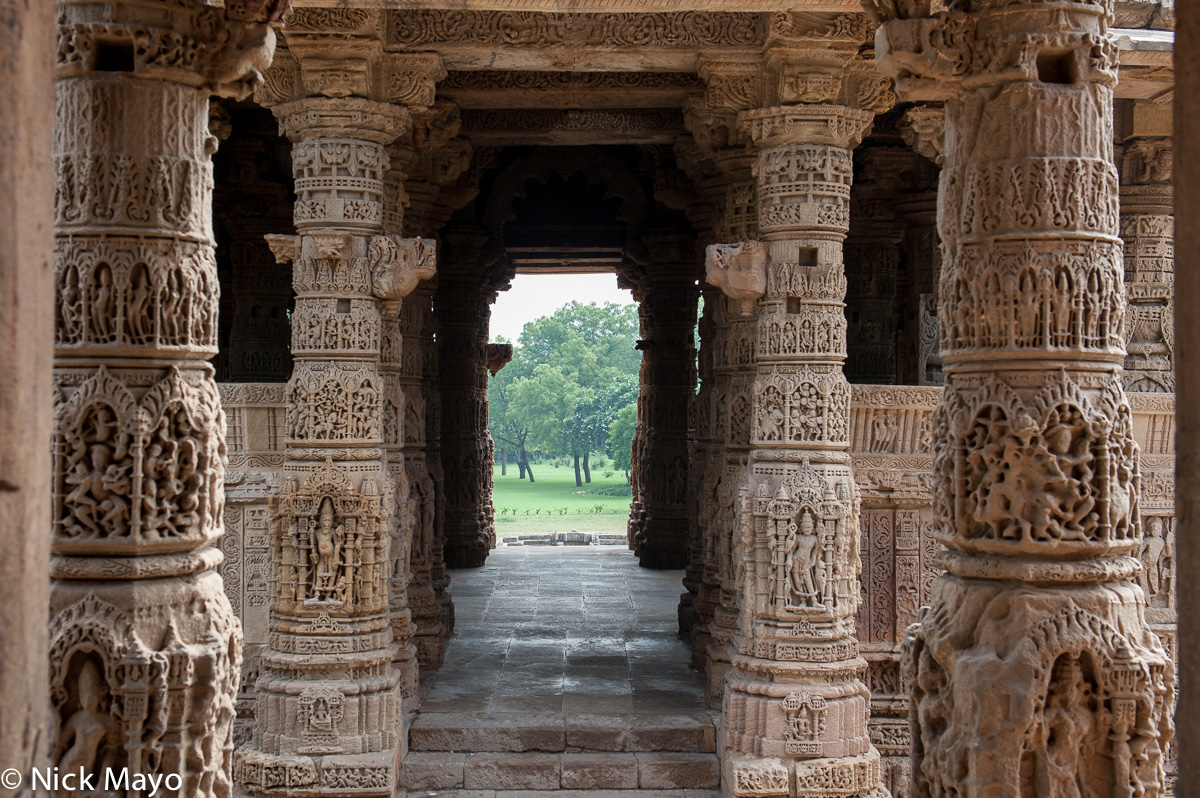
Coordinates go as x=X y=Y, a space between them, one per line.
x=253 y=204
x=26 y=395
x=924 y=129
x=328 y=711
x=795 y=707
x=733 y=376
x=700 y=601
x=1035 y=469
x=145 y=649
x=431 y=391
x=635 y=528
x=429 y=634
x=727 y=188
x=463 y=306
x=403 y=376
x=669 y=390
x=733 y=399
x=872 y=254
x=1148 y=232
x=423 y=162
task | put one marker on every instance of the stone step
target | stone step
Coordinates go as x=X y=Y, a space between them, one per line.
x=582 y=774
x=558 y=733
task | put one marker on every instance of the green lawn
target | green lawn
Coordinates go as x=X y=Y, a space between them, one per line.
x=554 y=504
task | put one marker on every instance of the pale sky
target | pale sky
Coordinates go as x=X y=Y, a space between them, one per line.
x=535 y=295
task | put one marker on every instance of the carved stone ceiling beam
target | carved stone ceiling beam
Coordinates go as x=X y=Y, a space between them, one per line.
x=511 y=89
x=1147 y=70
x=614 y=42
x=572 y=126
x=565 y=260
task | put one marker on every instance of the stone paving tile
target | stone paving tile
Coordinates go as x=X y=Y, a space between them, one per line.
x=575 y=629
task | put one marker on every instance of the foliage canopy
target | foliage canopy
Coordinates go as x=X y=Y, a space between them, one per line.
x=572 y=373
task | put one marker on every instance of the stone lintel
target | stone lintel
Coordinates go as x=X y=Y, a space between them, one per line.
x=479 y=89
x=572 y=126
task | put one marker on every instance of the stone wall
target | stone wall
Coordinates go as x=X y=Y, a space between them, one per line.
x=890 y=445
x=254 y=417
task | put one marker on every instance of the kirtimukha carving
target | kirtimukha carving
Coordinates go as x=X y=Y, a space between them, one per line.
x=328 y=715
x=145 y=648
x=1035 y=473
x=795 y=704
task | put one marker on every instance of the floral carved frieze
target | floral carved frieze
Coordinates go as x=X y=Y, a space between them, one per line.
x=527 y=29
x=479 y=80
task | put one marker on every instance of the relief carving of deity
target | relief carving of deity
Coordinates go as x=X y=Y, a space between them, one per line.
x=806 y=577
x=327 y=542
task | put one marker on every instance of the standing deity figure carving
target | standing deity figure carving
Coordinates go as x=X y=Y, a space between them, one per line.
x=1036 y=475
x=327 y=543
x=805 y=577
x=145 y=649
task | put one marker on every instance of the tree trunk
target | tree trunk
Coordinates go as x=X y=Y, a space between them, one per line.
x=503 y=462
x=522 y=463
x=578 y=478
x=587 y=469
x=529 y=469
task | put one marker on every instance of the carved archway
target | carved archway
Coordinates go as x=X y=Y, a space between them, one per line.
x=594 y=164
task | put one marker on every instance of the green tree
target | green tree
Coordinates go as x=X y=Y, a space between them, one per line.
x=620 y=437
x=569 y=374
x=593 y=417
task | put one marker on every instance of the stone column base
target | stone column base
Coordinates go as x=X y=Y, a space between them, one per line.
x=852 y=777
x=362 y=775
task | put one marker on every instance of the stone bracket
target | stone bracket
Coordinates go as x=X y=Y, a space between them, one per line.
x=739 y=270
x=398 y=264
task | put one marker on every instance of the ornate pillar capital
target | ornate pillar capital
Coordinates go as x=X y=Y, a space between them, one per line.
x=938 y=56
x=814 y=57
x=1146 y=161
x=811 y=123
x=341 y=117
x=221 y=51
x=349 y=61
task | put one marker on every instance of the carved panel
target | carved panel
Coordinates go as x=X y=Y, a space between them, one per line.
x=522 y=29
x=116 y=292
x=138 y=474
